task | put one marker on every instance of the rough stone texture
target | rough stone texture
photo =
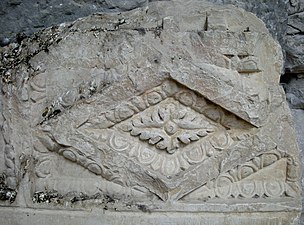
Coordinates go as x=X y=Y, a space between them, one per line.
x=54 y=217
x=284 y=19
x=294 y=40
x=294 y=89
x=171 y=109
x=272 y=12
x=298 y=117
x=29 y=16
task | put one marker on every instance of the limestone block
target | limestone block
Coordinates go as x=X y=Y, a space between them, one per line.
x=170 y=109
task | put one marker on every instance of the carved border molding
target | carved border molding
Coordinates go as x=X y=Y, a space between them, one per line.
x=109 y=131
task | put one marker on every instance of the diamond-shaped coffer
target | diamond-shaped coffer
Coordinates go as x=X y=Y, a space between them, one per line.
x=165 y=140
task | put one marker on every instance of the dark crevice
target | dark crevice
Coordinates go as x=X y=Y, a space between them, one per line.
x=287 y=77
x=294 y=27
x=298 y=33
x=229 y=56
x=206 y=24
x=294 y=13
x=6 y=193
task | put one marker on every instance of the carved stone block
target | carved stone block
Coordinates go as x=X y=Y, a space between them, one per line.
x=170 y=110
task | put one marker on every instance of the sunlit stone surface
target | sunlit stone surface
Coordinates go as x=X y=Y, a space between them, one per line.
x=170 y=114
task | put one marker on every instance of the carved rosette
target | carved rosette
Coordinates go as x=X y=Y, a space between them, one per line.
x=169 y=126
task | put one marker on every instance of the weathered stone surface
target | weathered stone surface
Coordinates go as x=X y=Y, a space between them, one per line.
x=294 y=39
x=29 y=16
x=298 y=117
x=99 y=217
x=294 y=89
x=274 y=13
x=283 y=18
x=171 y=109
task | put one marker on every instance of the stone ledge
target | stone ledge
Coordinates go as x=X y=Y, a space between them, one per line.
x=42 y=217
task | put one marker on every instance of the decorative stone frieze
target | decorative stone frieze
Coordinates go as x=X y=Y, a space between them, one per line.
x=171 y=109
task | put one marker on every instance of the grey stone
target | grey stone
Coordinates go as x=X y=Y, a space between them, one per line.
x=4 y=41
x=14 y=2
x=295 y=91
x=296 y=21
x=124 y=5
x=294 y=39
x=104 y=217
x=298 y=118
x=170 y=113
x=294 y=53
x=29 y=16
x=273 y=13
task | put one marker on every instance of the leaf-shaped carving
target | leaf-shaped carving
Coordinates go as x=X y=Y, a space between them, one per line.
x=168 y=126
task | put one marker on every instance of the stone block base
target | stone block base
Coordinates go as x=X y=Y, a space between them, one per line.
x=26 y=216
